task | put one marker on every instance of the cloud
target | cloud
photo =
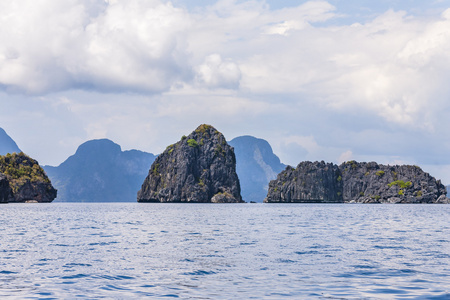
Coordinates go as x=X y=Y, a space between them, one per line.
x=106 y=46
x=141 y=72
x=346 y=156
x=138 y=46
x=391 y=65
x=298 y=18
x=216 y=73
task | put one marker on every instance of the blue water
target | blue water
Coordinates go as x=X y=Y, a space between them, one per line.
x=224 y=251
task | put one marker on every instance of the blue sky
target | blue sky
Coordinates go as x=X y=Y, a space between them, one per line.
x=320 y=80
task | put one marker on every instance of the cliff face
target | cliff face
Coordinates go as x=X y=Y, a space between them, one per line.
x=199 y=168
x=310 y=182
x=356 y=182
x=375 y=183
x=5 y=189
x=27 y=180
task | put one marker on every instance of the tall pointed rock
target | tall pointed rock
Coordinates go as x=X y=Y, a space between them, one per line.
x=199 y=168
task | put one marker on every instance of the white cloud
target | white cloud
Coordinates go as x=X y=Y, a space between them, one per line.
x=298 y=18
x=216 y=73
x=307 y=142
x=390 y=66
x=346 y=156
x=141 y=72
x=135 y=45
x=116 y=46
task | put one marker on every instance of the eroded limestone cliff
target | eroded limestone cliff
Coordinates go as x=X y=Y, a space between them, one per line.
x=355 y=182
x=375 y=183
x=199 y=168
x=309 y=182
x=5 y=189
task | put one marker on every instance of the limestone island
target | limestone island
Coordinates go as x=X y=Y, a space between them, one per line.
x=355 y=182
x=23 y=180
x=200 y=168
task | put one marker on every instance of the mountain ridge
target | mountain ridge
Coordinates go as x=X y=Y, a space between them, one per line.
x=7 y=144
x=100 y=171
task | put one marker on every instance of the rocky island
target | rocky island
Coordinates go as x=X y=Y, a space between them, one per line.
x=23 y=180
x=310 y=182
x=355 y=182
x=200 y=168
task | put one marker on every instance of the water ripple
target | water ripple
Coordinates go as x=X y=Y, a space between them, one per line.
x=127 y=251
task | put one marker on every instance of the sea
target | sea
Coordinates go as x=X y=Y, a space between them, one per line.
x=224 y=251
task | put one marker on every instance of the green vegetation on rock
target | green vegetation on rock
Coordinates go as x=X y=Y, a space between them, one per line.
x=204 y=128
x=155 y=170
x=20 y=168
x=192 y=143
x=379 y=173
x=26 y=179
x=401 y=184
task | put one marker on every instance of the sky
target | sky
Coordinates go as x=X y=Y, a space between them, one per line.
x=319 y=80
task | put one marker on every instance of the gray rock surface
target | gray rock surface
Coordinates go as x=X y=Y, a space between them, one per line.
x=35 y=192
x=199 y=168
x=317 y=182
x=5 y=189
x=355 y=182
x=375 y=183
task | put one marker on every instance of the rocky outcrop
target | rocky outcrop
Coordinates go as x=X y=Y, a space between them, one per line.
x=310 y=182
x=375 y=183
x=355 y=182
x=5 y=189
x=27 y=180
x=199 y=168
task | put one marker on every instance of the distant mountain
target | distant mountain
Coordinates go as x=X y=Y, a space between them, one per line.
x=256 y=165
x=448 y=190
x=100 y=171
x=7 y=144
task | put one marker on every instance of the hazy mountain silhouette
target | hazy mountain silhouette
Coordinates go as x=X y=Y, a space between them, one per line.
x=256 y=165
x=100 y=171
x=7 y=144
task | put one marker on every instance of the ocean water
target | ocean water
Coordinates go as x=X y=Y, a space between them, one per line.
x=224 y=251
